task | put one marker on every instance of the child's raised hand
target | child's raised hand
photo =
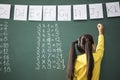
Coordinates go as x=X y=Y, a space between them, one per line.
x=100 y=28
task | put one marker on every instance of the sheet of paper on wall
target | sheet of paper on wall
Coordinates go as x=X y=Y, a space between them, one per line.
x=5 y=11
x=49 y=13
x=64 y=13
x=35 y=13
x=20 y=12
x=96 y=11
x=113 y=9
x=80 y=12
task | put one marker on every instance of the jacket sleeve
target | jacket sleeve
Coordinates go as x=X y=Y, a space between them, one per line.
x=100 y=46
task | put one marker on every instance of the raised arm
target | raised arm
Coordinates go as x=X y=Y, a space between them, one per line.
x=100 y=45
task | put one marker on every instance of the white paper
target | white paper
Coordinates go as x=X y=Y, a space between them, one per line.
x=20 y=12
x=64 y=13
x=96 y=11
x=80 y=12
x=5 y=11
x=35 y=13
x=113 y=9
x=49 y=13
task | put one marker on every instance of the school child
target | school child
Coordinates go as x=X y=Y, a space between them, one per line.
x=86 y=65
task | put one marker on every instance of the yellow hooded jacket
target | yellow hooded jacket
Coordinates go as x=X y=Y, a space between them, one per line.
x=80 y=64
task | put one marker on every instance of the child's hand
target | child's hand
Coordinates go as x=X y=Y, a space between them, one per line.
x=100 y=28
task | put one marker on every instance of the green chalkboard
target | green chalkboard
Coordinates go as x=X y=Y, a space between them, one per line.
x=38 y=50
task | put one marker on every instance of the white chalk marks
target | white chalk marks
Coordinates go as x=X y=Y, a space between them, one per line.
x=4 y=55
x=49 y=47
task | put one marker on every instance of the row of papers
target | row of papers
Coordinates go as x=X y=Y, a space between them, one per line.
x=60 y=12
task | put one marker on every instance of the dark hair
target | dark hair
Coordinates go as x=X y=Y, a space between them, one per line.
x=84 y=45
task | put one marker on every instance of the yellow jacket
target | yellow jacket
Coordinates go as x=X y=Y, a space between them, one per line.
x=80 y=64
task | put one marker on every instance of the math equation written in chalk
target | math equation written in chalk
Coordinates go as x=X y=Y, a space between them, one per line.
x=49 y=48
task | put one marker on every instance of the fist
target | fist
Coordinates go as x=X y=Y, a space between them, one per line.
x=100 y=28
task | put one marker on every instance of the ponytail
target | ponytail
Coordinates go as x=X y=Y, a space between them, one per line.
x=90 y=59
x=71 y=61
x=84 y=45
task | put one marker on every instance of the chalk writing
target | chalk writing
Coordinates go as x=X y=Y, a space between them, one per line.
x=49 y=48
x=4 y=56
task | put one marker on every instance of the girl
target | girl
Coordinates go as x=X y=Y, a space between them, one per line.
x=86 y=66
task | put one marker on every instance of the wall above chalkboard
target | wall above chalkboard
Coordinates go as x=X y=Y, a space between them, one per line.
x=59 y=12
